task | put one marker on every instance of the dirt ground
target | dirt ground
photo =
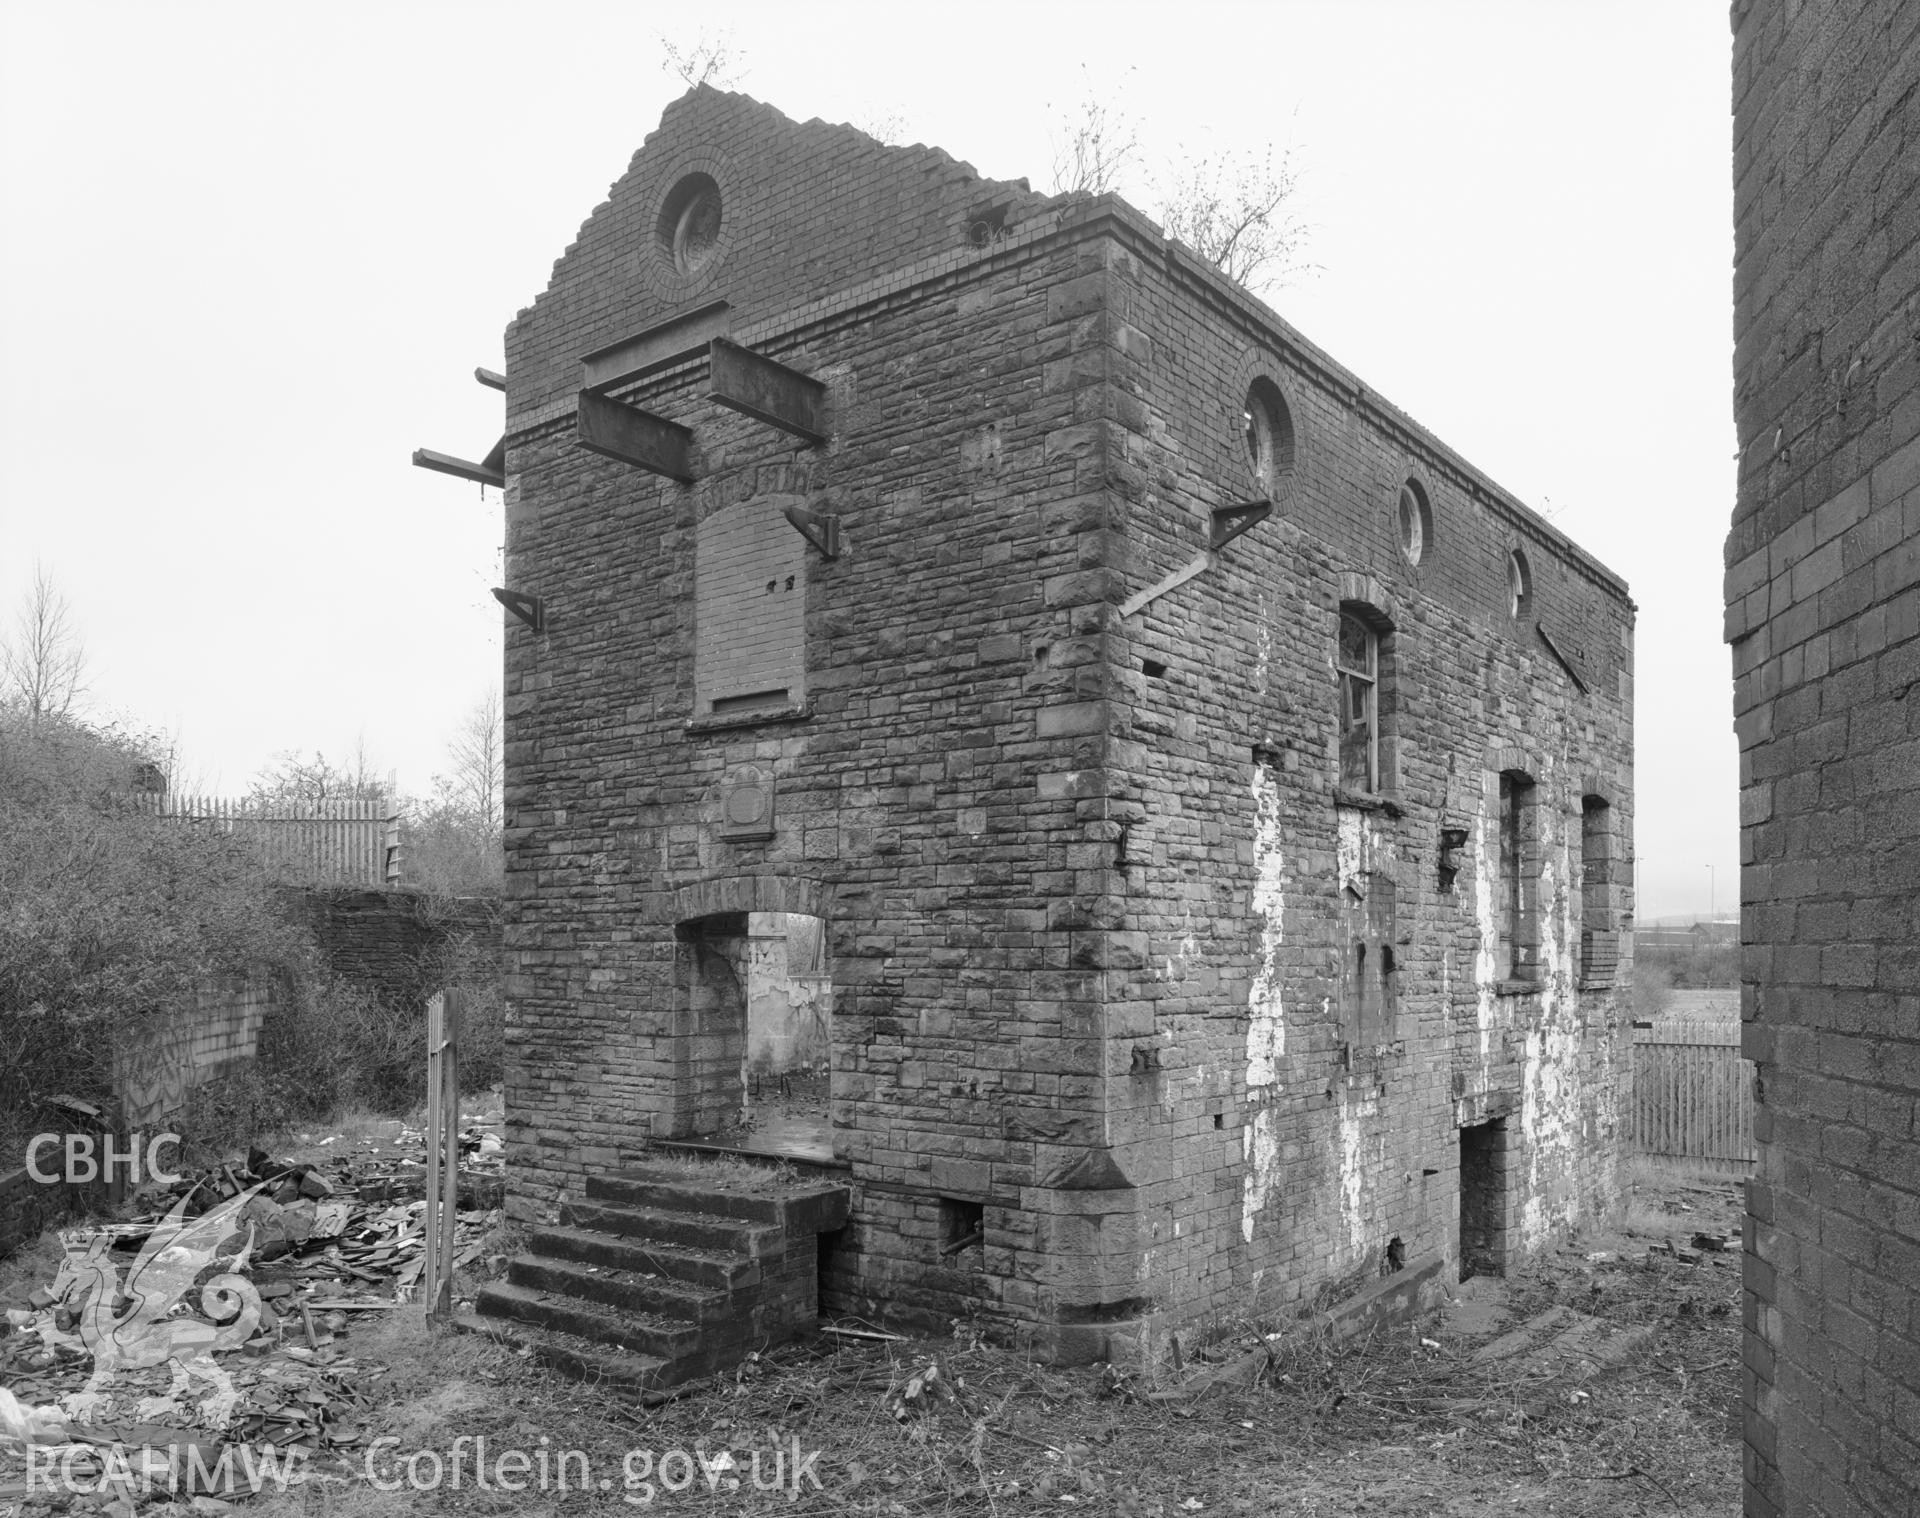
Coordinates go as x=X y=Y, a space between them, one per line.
x=1462 y=1415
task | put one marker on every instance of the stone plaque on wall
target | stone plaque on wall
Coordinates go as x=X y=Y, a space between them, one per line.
x=746 y=804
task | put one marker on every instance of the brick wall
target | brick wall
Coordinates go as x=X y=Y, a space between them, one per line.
x=388 y=940
x=1823 y=608
x=1089 y=876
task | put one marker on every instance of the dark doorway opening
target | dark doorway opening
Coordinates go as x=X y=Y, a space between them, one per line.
x=1483 y=1199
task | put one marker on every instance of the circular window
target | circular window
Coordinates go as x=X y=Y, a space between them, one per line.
x=1416 y=522
x=689 y=227
x=1519 y=585
x=1269 y=435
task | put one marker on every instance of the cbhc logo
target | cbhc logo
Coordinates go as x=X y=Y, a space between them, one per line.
x=81 y=1166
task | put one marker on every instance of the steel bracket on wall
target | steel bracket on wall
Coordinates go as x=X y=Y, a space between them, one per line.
x=1572 y=657
x=818 y=528
x=529 y=609
x=629 y=435
x=1230 y=521
x=769 y=392
x=489 y=471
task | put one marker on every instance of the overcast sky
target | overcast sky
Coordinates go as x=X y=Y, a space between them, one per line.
x=252 y=254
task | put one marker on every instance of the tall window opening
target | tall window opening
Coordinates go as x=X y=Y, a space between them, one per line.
x=1519 y=885
x=1358 y=664
x=1599 y=939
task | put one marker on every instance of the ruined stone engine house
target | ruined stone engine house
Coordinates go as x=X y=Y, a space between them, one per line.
x=1215 y=794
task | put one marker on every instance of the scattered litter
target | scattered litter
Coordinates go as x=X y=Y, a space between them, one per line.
x=216 y=1314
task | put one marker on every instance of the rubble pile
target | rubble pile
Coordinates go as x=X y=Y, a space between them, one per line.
x=214 y=1316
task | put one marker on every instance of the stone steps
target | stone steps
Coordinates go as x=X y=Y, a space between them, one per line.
x=696 y=1267
x=658 y=1278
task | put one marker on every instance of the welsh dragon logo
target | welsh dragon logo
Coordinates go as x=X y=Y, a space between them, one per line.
x=145 y=1321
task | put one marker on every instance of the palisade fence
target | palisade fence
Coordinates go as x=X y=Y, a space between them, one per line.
x=312 y=843
x=1693 y=1093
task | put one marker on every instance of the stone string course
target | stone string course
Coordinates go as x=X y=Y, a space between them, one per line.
x=1086 y=923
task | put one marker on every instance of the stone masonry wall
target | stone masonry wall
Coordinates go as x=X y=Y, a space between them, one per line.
x=1823 y=614
x=1086 y=921
x=1279 y=1153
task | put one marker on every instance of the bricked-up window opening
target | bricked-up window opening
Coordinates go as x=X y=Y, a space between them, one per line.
x=1416 y=522
x=1599 y=937
x=1359 y=993
x=963 y=1225
x=689 y=227
x=749 y=611
x=1367 y=990
x=1519 y=884
x=1483 y=1199
x=1358 y=663
x=1269 y=434
x=1519 y=586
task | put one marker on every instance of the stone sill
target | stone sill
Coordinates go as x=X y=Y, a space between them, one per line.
x=1516 y=988
x=730 y=721
x=1370 y=801
x=1597 y=985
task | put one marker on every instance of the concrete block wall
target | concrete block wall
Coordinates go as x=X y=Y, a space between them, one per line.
x=1083 y=918
x=157 y=1064
x=1823 y=615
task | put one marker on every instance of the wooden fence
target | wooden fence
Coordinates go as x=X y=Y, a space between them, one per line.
x=1693 y=1093
x=313 y=843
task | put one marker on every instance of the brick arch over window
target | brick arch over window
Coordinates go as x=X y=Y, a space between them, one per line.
x=655 y=262
x=1265 y=366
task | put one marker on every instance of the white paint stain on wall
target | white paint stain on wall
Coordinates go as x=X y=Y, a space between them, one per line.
x=1262 y=647
x=1350 y=844
x=1266 y=1021
x=1261 y=1151
x=1355 y=1163
x=1186 y=953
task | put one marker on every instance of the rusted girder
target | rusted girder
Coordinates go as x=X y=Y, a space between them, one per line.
x=681 y=337
x=616 y=430
x=769 y=392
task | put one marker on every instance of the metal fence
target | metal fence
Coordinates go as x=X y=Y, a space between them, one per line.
x=1693 y=1093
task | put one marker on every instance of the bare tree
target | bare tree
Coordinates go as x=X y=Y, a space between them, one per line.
x=716 y=60
x=1097 y=144
x=472 y=787
x=43 y=669
x=451 y=845
x=293 y=780
x=1232 y=209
